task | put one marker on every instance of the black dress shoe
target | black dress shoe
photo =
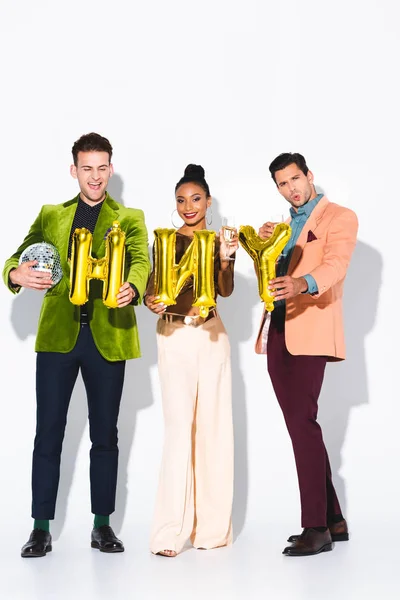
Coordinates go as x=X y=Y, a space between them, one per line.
x=39 y=544
x=310 y=542
x=105 y=540
x=339 y=532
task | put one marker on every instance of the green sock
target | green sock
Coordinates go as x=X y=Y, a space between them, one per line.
x=43 y=524
x=99 y=520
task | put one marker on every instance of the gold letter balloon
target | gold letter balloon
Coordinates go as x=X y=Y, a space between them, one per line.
x=109 y=269
x=198 y=261
x=264 y=254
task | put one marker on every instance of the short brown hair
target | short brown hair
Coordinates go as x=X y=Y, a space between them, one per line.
x=91 y=142
x=284 y=160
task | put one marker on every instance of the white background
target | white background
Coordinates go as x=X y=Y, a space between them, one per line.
x=229 y=85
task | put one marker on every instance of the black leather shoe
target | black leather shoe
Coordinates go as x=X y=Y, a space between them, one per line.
x=105 y=540
x=39 y=544
x=339 y=532
x=310 y=542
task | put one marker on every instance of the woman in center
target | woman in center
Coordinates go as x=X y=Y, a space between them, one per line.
x=194 y=498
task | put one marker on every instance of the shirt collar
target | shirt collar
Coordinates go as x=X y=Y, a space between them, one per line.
x=86 y=206
x=306 y=209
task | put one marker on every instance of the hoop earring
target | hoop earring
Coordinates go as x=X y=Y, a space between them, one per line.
x=208 y=215
x=172 y=219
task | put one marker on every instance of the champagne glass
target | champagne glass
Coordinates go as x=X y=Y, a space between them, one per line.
x=229 y=231
x=277 y=218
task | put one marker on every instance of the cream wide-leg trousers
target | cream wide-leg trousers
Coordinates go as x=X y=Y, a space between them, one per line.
x=194 y=498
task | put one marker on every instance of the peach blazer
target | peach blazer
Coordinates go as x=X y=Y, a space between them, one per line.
x=314 y=323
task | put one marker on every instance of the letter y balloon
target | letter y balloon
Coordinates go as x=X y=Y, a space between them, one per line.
x=265 y=254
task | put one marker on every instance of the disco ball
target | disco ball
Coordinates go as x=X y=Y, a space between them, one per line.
x=47 y=257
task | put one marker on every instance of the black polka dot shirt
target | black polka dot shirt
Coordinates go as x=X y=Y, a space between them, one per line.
x=85 y=216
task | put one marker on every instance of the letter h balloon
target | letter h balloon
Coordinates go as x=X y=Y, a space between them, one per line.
x=109 y=269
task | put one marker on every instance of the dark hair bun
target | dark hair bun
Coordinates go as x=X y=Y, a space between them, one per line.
x=195 y=171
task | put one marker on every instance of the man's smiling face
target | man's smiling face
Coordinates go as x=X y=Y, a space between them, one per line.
x=93 y=170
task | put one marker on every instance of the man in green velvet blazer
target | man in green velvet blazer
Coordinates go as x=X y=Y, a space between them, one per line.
x=114 y=330
x=93 y=338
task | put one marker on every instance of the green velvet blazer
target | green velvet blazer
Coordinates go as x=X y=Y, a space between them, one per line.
x=114 y=329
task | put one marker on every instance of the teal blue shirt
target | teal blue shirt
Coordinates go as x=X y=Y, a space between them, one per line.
x=299 y=219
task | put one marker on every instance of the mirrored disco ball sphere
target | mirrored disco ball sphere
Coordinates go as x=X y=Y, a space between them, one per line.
x=47 y=257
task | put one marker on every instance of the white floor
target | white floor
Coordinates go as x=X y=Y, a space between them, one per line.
x=253 y=568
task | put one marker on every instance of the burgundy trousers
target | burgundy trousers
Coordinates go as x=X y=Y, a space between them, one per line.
x=297 y=382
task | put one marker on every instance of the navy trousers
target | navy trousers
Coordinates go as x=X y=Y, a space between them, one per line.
x=297 y=382
x=56 y=374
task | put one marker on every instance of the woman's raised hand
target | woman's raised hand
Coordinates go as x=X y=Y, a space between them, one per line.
x=156 y=307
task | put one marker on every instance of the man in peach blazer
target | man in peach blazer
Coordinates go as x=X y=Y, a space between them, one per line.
x=303 y=332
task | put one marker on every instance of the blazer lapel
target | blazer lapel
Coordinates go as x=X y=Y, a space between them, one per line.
x=310 y=225
x=109 y=212
x=64 y=224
